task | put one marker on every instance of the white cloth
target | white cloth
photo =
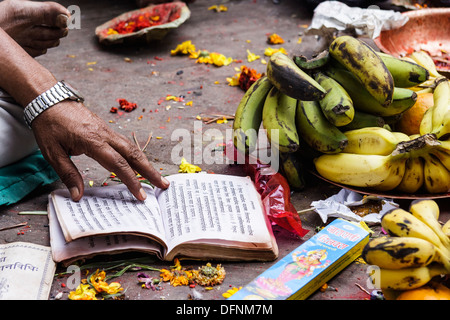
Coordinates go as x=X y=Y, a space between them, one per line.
x=16 y=139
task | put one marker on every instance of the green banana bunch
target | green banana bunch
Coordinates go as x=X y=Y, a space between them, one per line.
x=363 y=120
x=248 y=115
x=405 y=73
x=292 y=169
x=287 y=77
x=337 y=106
x=402 y=98
x=318 y=61
x=364 y=63
x=278 y=118
x=371 y=140
x=316 y=130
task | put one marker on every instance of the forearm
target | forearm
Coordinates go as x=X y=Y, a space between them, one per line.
x=21 y=76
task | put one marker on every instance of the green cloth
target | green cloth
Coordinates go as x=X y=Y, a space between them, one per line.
x=19 y=179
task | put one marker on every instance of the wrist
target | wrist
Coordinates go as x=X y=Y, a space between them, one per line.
x=56 y=94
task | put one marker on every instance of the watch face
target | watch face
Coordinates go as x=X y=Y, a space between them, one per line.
x=74 y=91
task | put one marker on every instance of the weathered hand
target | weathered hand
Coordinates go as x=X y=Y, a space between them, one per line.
x=35 y=26
x=69 y=129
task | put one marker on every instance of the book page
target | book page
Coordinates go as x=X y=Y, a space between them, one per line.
x=212 y=206
x=104 y=210
x=26 y=271
x=90 y=246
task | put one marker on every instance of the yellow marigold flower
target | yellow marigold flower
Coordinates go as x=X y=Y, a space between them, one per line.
x=251 y=56
x=177 y=276
x=234 y=81
x=83 y=292
x=218 y=8
x=97 y=281
x=275 y=39
x=270 y=51
x=230 y=292
x=185 y=47
x=220 y=60
x=186 y=167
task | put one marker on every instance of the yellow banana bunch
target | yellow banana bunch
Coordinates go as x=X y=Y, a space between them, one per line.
x=416 y=250
x=374 y=158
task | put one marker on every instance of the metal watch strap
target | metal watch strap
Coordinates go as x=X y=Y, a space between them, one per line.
x=59 y=92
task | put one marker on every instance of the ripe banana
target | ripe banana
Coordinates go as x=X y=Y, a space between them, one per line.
x=363 y=120
x=248 y=115
x=402 y=100
x=366 y=65
x=360 y=170
x=407 y=278
x=278 y=118
x=422 y=58
x=427 y=211
x=413 y=177
x=337 y=106
x=400 y=252
x=405 y=73
x=371 y=140
x=292 y=169
x=446 y=228
x=442 y=152
x=441 y=109
x=284 y=74
x=316 y=130
x=400 y=223
x=426 y=124
x=436 y=175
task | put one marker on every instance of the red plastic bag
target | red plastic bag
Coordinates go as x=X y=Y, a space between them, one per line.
x=274 y=191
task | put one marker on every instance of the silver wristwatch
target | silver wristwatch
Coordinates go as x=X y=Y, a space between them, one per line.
x=59 y=92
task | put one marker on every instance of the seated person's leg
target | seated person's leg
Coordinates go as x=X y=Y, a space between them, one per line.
x=16 y=139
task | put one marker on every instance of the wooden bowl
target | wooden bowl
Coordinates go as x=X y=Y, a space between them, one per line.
x=426 y=29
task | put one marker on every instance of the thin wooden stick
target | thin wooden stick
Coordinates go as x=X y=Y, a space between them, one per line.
x=148 y=141
x=14 y=226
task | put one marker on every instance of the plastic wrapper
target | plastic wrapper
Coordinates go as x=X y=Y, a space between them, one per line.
x=332 y=16
x=274 y=190
x=340 y=204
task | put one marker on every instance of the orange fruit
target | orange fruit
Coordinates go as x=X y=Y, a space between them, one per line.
x=409 y=123
x=434 y=291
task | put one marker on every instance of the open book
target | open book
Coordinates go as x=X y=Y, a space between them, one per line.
x=200 y=216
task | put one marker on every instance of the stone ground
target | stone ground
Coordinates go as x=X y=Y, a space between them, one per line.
x=146 y=74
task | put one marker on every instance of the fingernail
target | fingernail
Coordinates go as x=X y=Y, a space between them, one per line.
x=62 y=20
x=74 y=192
x=142 y=194
x=165 y=181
